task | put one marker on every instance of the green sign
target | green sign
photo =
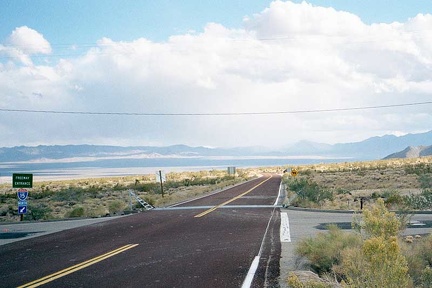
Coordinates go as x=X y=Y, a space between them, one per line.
x=22 y=180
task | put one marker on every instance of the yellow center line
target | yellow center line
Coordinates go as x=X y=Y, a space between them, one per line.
x=77 y=267
x=229 y=201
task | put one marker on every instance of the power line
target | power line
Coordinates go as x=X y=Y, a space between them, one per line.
x=358 y=39
x=215 y=114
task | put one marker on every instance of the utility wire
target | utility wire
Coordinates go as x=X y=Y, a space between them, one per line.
x=215 y=114
x=359 y=39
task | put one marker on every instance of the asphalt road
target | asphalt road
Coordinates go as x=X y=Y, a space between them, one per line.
x=210 y=242
x=214 y=241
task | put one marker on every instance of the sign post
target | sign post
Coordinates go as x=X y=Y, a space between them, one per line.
x=160 y=176
x=22 y=181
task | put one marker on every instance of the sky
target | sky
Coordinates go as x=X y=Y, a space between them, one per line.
x=227 y=73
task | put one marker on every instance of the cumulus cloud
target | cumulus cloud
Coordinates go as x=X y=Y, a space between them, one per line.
x=286 y=19
x=29 y=41
x=288 y=57
x=23 y=43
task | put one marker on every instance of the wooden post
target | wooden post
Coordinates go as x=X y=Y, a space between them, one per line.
x=161 y=182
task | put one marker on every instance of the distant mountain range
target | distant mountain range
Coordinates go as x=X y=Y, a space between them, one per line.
x=369 y=149
x=412 y=152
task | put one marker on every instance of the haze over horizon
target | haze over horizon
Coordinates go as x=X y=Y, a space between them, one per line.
x=226 y=74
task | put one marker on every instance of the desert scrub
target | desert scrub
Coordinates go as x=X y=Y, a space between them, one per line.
x=95 y=195
x=425 y=181
x=323 y=251
x=371 y=257
x=309 y=194
x=377 y=221
x=419 y=257
x=379 y=262
x=76 y=212
x=294 y=282
x=38 y=211
x=116 y=206
x=418 y=168
x=422 y=201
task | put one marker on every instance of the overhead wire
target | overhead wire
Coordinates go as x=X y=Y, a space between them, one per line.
x=216 y=113
x=71 y=50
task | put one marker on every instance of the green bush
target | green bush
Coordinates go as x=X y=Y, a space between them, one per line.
x=294 y=282
x=426 y=277
x=419 y=168
x=76 y=212
x=116 y=206
x=324 y=250
x=71 y=194
x=5 y=197
x=3 y=211
x=341 y=191
x=45 y=193
x=38 y=212
x=379 y=263
x=377 y=221
x=372 y=258
x=425 y=181
x=419 y=257
x=148 y=187
x=422 y=201
x=149 y=200
x=308 y=192
x=393 y=199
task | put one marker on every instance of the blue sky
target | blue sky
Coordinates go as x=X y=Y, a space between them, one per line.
x=86 y=21
x=226 y=56
x=79 y=21
x=379 y=11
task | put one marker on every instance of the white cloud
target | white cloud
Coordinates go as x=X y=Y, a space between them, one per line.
x=22 y=44
x=289 y=20
x=289 y=57
x=29 y=41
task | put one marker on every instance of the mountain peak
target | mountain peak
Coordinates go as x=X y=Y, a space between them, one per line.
x=412 y=152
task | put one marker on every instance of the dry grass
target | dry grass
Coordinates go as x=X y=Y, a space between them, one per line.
x=348 y=181
x=96 y=197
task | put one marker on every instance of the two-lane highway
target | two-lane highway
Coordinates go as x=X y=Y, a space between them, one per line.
x=213 y=245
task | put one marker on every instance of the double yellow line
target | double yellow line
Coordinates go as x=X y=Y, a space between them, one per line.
x=77 y=267
x=229 y=201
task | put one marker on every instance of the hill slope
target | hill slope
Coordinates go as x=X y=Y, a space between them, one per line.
x=370 y=149
x=412 y=152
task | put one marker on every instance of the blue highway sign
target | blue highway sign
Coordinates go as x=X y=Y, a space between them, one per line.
x=22 y=194
x=22 y=209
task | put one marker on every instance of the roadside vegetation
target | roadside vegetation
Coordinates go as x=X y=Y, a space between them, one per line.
x=374 y=255
x=100 y=197
x=403 y=184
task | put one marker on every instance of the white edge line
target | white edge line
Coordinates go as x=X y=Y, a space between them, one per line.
x=254 y=266
x=277 y=199
x=285 y=235
x=251 y=273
